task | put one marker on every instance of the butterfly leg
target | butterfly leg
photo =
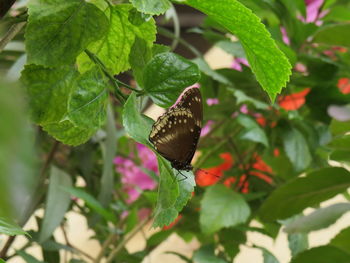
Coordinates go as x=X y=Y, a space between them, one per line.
x=184 y=176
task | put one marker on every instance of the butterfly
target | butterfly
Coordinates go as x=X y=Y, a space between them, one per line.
x=176 y=133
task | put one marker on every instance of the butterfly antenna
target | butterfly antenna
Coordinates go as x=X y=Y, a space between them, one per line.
x=206 y=172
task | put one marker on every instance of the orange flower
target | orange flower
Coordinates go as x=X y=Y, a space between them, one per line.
x=262 y=166
x=344 y=85
x=293 y=101
x=173 y=223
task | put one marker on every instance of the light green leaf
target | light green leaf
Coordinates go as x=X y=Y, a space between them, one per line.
x=136 y=125
x=296 y=149
x=243 y=98
x=57 y=203
x=186 y=188
x=2 y=261
x=67 y=133
x=28 y=258
x=253 y=131
x=323 y=254
x=334 y=35
x=49 y=90
x=10 y=228
x=221 y=207
x=206 y=255
x=297 y=243
x=87 y=105
x=91 y=202
x=340 y=155
x=341 y=143
x=267 y=255
x=321 y=218
x=339 y=127
x=207 y=70
x=232 y=48
x=269 y=64
x=109 y=147
x=58 y=31
x=341 y=240
x=114 y=49
x=300 y=193
x=166 y=76
x=168 y=192
x=153 y=7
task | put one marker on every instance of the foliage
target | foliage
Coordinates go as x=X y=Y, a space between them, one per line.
x=76 y=83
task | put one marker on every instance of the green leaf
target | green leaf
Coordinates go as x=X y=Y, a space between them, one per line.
x=166 y=76
x=297 y=243
x=221 y=207
x=139 y=56
x=340 y=155
x=207 y=70
x=186 y=188
x=91 y=202
x=153 y=7
x=28 y=258
x=232 y=48
x=114 y=49
x=300 y=193
x=296 y=149
x=341 y=240
x=68 y=133
x=252 y=131
x=2 y=261
x=57 y=203
x=321 y=218
x=323 y=254
x=267 y=255
x=206 y=255
x=10 y=228
x=136 y=125
x=339 y=127
x=109 y=151
x=334 y=35
x=88 y=103
x=244 y=98
x=341 y=143
x=269 y=64
x=49 y=90
x=58 y=31
x=168 y=192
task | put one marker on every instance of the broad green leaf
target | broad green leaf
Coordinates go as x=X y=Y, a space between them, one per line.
x=296 y=149
x=57 y=203
x=68 y=133
x=168 y=192
x=2 y=261
x=269 y=64
x=222 y=207
x=231 y=239
x=321 y=218
x=139 y=56
x=334 y=35
x=158 y=48
x=28 y=258
x=341 y=143
x=91 y=202
x=339 y=127
x=232 y=48
x=341 y=240
x=300 y=193
x=241 y=97
x=206 y=255
x=166 y=76
x=109 y=151
x=339 y=13
x=49 y=90
x=252 y=132
x=186 y=188
x=297 y=243
x=136 y=125
x=114 y=48
x=207 y=70
x=10 y=228
x=340 y=155
x=18 y=159
x=153 y=7
x=58 y=31
x=323 y=254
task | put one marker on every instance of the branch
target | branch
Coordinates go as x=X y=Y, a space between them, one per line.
x=10 y=34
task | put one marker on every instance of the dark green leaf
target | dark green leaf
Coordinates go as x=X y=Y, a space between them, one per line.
x=340 y=156
x=28 y=258
x=221 y=207
x=341 y=240
x=321 y=218
x=252 y=131
x=57 y=202
x=339 y=127
x=206 y=255
x=136 y=125
x=324 y=254
x=153 y=7
x=269 y=64
x=296 y=149
x=184 y=258
x=58 y=31
x=166 y=76
x=334 y=35
x=114 y=49
x=341 y=143
x=300 y=193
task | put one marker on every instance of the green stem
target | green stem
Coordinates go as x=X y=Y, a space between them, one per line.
x=10 y=34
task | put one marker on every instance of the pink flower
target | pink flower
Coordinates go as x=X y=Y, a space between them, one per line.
x=212 y=101
x=300 y=67
x=237 y=63
x=207 y=128
x=285 y=37
x=133 y=178
x=313 y=13
x=244 y=109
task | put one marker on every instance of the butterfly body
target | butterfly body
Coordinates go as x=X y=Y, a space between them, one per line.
x=176 y=133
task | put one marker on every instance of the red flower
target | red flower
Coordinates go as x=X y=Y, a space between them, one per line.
x=173 y=223
x=293 y=101
x=344 y=85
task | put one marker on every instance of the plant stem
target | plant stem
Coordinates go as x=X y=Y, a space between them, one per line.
x=126 y=239
x=10 y=34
